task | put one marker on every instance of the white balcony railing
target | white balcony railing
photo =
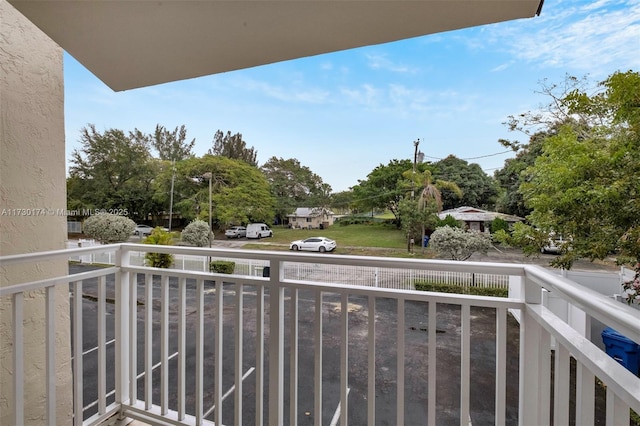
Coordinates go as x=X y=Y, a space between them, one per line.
x=321 y=340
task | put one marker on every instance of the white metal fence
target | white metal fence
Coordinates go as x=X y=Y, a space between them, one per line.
x=370 y=276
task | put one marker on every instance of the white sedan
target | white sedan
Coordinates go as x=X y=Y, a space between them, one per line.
x=320 y=244
x=143 y=230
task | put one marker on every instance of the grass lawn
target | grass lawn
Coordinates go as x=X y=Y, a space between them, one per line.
x=363 y=239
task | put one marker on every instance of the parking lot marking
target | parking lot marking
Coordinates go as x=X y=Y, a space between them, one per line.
x=137 y=377
x=229 y=392
x=336 y=414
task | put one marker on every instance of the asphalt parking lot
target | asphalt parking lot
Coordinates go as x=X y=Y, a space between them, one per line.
x=416 y=335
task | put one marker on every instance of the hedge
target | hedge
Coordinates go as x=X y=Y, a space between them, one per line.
x=459 y=289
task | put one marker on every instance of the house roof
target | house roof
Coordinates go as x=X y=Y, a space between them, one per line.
x=309 y=212
x=472 y=214
x=130 y=44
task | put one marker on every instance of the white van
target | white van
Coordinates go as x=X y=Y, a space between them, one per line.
x=258 y=230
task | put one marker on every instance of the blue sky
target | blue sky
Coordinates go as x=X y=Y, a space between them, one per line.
x=342 y=114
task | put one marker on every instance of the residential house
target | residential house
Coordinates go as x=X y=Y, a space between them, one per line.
x=477 y=219
x=311 y=218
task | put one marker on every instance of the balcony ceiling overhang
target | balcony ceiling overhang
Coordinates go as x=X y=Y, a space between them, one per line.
x=130 y=44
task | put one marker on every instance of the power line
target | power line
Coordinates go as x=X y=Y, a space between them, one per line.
x=474 y=158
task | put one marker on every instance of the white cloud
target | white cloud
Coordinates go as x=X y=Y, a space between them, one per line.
x=382 y=62
x=589 y=37
x=297 y=92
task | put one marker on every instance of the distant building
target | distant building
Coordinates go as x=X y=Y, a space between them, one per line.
x=477 y=219
x=311 y=218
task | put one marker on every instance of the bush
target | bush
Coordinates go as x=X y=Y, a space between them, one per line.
x=108 y=228
x=159 y=260
x=457 y=244
x=222 y=266
x=499 y=224
x=449 y=221
x=196 y=233
x=461 y=289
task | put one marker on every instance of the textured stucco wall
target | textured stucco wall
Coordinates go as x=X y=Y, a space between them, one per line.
x=32 y=188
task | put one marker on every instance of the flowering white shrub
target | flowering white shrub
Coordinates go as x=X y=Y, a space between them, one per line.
x=458 y=244
x=196 y=233
x=108 y=228
x=632 y=287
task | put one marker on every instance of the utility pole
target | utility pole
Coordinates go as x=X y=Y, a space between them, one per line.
x=415 y=160
x=173 y=178
x=410 y=241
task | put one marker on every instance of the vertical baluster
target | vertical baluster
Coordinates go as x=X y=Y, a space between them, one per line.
x=276 y=345
x=617 y=410
x=148 y=341
x=318 y=361
x=199 y=351
x=293 y=360
x=182 y=320
x=371 y=352
x=102 y=340
x=561 y=378
x=465 y=362
x=133 y=336
x=164 y=345
x=344 y=361
x=544 y=372
x=239 y=353
x=431 y=392
x=400 y=365
x=585 y=394
x=51 y=354
x=125 y=315
x=77 y=354
x=501 y=366
x=218 y=353
x=530 y=334
x=18 y=361
x=260 y=356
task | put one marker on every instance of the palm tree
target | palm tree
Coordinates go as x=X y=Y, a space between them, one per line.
x=430 y=193
x=431 y=190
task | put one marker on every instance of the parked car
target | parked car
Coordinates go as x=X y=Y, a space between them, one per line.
x=236 y=232
x=258 y=230
x=556 y=245
x=142 y=230
x=145 y=230
x=320 y=244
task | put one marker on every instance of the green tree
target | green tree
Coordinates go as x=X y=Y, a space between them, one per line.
x=415 y=219
x=171 y=145
x=294 y=185
x=239 y=192
x=477 y=188
x=384 y=187
x=585 y=184
x=498 y=224
x=511 y=176
x=342 y=202
x=448 y=221
x=429 y=198
x=112 y=171
x=232 y=146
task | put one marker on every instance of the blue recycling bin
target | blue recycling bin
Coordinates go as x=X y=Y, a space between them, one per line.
x=622 y=349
